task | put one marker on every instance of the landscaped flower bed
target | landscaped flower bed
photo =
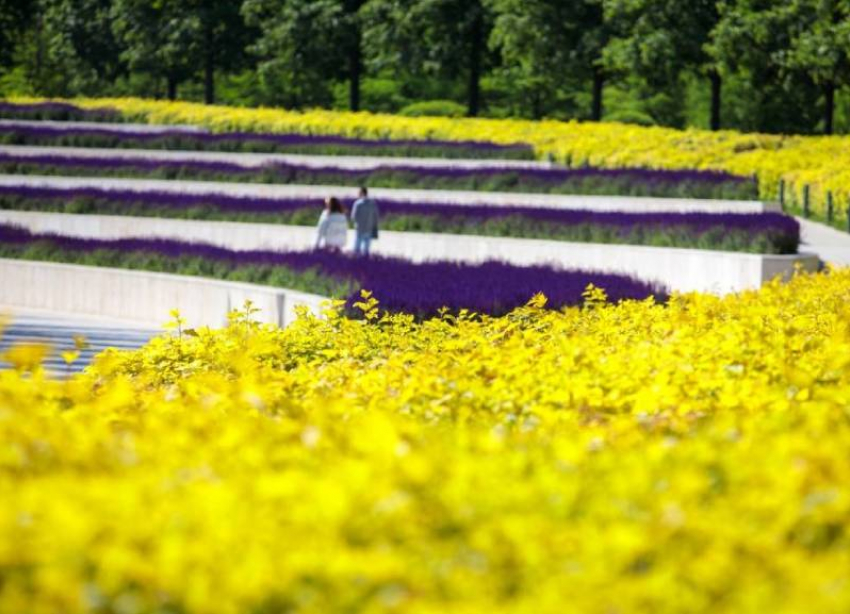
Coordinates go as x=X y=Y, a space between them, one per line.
x=611 y=459
x=177 y=139
x=765 y=233
x=401 y=286
x=625 y=182
x=819 y=162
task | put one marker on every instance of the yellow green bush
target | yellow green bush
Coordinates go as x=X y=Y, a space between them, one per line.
x=607 y=459
x=821 y=162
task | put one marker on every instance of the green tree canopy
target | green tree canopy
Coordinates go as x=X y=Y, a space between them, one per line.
x=160 y=37
x=15 y=16
x=752 y=40
x=171 y=39
x=543 y=43
x=301 y=48
x=819 y=47
x=659 y=40
x=442 y=38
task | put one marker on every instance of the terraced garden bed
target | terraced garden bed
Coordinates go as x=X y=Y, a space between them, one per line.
x=252 y=142
x=764 y=233
x=421 y=289
x=241 y=141
x=589 y=181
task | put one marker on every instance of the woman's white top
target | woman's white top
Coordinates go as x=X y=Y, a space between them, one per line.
x=332 y=230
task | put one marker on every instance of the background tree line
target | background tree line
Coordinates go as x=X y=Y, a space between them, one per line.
x=746 y=64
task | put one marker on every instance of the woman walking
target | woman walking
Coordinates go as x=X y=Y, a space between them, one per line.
x=332 y=231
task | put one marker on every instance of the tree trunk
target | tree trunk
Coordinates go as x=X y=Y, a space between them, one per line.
x=536 y=104
x=716 y=97
x=355 y=67
x=829 y=107
x=476 y=49
x=209 y=66
x=39 y=47
x=598 y=86
x=209 y=78
x=355 y=53
x=172 y=88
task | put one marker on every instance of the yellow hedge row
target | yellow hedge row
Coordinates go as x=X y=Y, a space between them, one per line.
x=821 y=162
x=609 y=459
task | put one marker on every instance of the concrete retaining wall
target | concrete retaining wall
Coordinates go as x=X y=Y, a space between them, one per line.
x=677 y=269
x=257 y=160
x=146 y=298
x=112 y=127
x=453 y=197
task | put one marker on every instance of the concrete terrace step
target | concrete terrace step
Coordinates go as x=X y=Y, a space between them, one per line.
x=57 y=330
x=143 y=297
x=630 y=204
x=112 y=127
x=256 y=160
x=683 y=270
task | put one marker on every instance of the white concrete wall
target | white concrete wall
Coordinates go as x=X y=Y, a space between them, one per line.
x=677 y=269
x=114 y=127
x=256 y=160
x=139 y=296
x=627 y=204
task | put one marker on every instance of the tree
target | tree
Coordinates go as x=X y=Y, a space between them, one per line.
x=546 y=42
x=820 y=48
x=170 y=39
x=302 y=48
x=15 y=17
x=354 y=46
x=752 y=40
x=160 y=37
x=77 y=43
x=660 y=39
x=442 y=38
x=224 y=37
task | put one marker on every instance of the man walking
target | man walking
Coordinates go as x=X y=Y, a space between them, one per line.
x=365 y=217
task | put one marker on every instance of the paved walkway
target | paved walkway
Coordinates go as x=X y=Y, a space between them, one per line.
x=258 y=160
x=453 y=197
x=58 y=331
x=831 y=245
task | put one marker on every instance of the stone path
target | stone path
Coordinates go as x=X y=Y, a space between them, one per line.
x=831 y=245
x=257 y=160
x=453 y=197
x=58 y=331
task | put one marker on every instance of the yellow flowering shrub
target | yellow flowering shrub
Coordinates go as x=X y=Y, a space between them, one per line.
x=627 y=458
x=821 y=162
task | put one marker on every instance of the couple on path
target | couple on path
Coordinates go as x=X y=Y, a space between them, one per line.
x=332 y=231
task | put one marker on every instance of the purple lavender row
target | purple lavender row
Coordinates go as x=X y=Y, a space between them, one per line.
x=769 y=222
x=400 y=286
x=283 y=140
x=648 y=176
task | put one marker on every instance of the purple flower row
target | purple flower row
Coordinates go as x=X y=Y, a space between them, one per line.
x=774 y=223
x=281 y=140
x=284 y=169
x=400 y=286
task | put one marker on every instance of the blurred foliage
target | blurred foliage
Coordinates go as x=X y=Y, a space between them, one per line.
x=751 y=65
x=618 y=458
x=433 y=108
